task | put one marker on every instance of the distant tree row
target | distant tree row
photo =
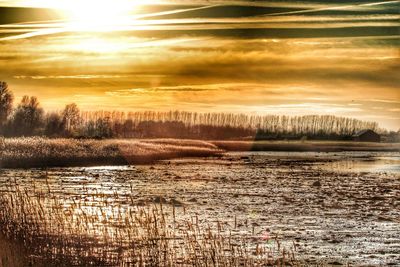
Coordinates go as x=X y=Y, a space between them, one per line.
x=28 y=119
x=297 y=125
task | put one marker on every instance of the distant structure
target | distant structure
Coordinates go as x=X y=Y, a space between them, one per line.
x=367 y=136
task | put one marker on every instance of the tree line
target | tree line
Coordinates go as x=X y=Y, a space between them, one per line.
x=29 y=119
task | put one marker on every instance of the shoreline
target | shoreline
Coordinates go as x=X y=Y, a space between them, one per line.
x=37 y=152
x=307 y=146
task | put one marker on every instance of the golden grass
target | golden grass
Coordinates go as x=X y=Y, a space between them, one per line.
x=110 y=230
x=44 y=152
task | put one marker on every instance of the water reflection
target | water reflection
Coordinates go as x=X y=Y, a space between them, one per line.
x=108 y=168
x=389 y=164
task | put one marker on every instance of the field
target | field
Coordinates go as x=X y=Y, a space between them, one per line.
x=199 y=204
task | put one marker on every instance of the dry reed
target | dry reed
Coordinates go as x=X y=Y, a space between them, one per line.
x=44 y=152
x=101 y=229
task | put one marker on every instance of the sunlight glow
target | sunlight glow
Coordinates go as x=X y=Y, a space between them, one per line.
x=99 y=45
x=95 y=15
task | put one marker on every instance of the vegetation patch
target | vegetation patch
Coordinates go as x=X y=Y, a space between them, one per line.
x=43 y=152
x=90 y=231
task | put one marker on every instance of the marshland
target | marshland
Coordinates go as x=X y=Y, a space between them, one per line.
x=208 y=133
x=191 y=189
x=235 y=209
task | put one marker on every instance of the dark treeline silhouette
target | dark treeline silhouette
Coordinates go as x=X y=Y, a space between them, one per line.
x=29 y=119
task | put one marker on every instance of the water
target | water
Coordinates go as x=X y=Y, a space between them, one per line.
x=351 y=216
x=389 y=163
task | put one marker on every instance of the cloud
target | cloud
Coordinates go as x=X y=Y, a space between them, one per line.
x=249 y=56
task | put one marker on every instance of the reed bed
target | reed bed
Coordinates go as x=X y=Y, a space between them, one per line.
x=28 y=152
x=109 y=229
x=44 y=152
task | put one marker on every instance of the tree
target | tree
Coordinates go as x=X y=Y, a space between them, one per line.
x=6 y=101
x=103 y=128
x=55 y=125
x=71 y=116
x=128 y=128
x=28 y=117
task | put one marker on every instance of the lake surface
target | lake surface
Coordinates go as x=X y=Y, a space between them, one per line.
x=332 y=207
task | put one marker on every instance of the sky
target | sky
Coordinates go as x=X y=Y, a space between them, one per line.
x=257 y=57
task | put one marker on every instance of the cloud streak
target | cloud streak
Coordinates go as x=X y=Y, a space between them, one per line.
x=289 y=57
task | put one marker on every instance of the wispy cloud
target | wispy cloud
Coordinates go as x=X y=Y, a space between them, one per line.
x=296 y=57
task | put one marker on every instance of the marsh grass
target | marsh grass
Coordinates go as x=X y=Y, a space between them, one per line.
x=44 y=152
x=99 y=229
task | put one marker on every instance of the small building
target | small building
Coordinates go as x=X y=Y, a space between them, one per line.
x=367 y=136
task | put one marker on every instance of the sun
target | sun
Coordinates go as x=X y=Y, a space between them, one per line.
x=98 y=14
x=95 y=15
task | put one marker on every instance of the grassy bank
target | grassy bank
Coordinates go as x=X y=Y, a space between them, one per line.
x=43 y=152
x=308 y=146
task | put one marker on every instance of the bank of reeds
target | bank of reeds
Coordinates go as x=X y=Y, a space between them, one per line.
x=99 y=229
x=44 y=152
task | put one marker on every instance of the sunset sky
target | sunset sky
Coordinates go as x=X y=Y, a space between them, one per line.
x=264 y=57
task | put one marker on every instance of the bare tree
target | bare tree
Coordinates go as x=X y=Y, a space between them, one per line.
x=6 y=101
x=71 y=116
x=28 y=117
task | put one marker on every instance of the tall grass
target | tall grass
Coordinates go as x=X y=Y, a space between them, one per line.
x=102 y=229
x=43 y=152
x=38 y=152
